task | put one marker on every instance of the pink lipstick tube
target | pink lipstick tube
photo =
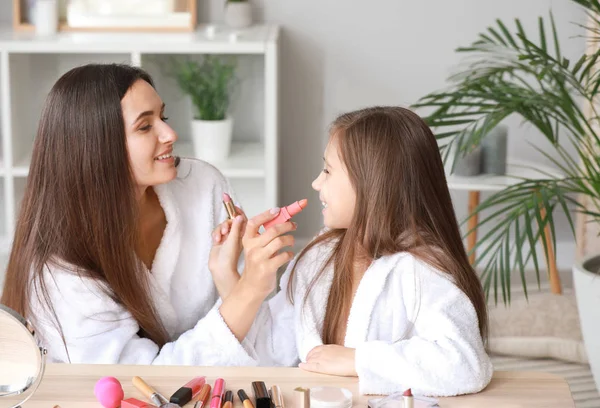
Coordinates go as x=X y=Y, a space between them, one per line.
x=286 y=213
x=217 y=396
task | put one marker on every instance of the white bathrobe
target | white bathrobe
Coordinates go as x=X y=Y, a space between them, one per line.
x=410 y=325
x=98 y=330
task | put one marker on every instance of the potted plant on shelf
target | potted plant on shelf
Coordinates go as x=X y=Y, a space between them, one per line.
x=209 y=83
x=508 y=72
x=238 y=13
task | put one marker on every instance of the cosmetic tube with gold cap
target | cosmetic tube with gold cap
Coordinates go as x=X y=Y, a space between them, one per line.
x=277 y=397
x=229 y=207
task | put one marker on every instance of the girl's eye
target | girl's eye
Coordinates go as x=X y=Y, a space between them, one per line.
x=164 y=119
x=325 y=171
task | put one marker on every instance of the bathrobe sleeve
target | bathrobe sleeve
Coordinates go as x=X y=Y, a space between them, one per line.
x=444 y=356
x=98 y=330
x=274 y=332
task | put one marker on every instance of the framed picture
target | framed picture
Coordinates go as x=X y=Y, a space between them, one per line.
x=113 y=15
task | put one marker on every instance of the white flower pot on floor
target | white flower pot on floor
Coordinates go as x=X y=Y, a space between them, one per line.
x=212 y=139
x=587 y=290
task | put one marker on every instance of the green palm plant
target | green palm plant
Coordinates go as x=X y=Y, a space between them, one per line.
x=508 y=72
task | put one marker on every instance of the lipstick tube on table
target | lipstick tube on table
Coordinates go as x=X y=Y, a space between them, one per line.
x=217 y=396
x=277 y=397
x=261 y=395
x=203 y=397
x=228 y=400
x=185 y=394
x=245 y=400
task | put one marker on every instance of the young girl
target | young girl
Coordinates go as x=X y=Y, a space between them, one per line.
x=110 y=259
x=386 y=292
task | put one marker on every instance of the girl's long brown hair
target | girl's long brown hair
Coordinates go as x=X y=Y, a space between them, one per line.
x=80 y=207
x=402 y=205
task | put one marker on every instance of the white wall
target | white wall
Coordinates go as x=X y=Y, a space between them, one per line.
x=342 y=55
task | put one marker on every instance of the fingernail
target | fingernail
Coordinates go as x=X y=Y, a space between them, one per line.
x=238 y=219
x=295 y=225
x=275 y=210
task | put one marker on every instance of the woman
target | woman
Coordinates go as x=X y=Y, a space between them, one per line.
x=112 y=245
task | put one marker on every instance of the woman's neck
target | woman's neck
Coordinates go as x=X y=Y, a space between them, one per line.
x=148 y=203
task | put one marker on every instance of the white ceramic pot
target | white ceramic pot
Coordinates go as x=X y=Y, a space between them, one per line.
x=586 y=278
x=238 y=14
x=45 y=17
x=212 y=139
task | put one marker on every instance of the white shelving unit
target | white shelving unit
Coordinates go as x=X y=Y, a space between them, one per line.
x=30 y=65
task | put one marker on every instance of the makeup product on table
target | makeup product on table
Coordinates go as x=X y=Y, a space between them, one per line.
x=150 y=393
x=217 y=395
x=261 y=395
x=245 y=400
x=276 y=397
x=228 y=203
x=330 y=397
x=228 y=402
x=136 y=403
x=286 y=213
x=408 y=399
x=109 y=392
x=185 y=394
x=302 y=397
x=203 y=397
x=402 y=399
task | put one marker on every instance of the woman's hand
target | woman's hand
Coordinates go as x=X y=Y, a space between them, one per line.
x=262 y=252
x=262 y=259
x=225 y=253
x=331 y=359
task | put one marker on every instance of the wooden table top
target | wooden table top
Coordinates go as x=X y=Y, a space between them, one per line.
x=72 y=385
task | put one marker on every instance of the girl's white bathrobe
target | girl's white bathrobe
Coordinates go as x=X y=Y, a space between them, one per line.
x=410 y=325
x=98 y=330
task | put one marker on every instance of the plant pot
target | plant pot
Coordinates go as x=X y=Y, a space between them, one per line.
x=466 y=165
x=494 y=149
x=238 y=14
x=45 y=17
x=470 y=164
x=587 y=291
x=212 y=139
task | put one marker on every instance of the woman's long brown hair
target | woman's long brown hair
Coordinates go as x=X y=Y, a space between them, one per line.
x=80 y=207
x=402 y=205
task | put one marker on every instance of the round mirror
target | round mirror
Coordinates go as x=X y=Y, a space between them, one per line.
x=22 y=362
